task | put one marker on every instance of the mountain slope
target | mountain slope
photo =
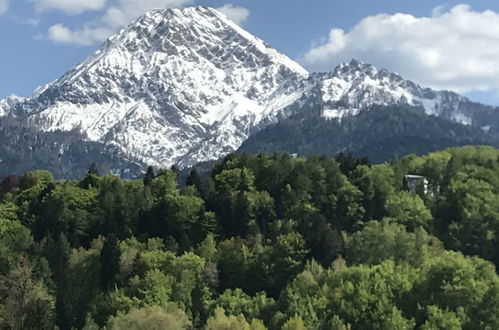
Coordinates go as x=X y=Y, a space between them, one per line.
x=182 y=86
x=175 y=86
x=23 y=149
x=354 y=86
x=379 y=133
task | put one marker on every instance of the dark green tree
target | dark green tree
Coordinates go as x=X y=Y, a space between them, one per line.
x=149 y=176
x=109 y=263
x=93 y=170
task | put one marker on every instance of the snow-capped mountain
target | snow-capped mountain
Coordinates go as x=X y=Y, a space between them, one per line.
x=175 y=86
x=354 y=86
x=9 y=103
x=180 y=86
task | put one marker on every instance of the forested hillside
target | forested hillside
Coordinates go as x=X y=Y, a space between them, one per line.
x=65 y=154
x=266 y=242
x=379 y=133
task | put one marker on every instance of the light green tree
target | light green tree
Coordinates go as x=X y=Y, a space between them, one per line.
x=151 y=318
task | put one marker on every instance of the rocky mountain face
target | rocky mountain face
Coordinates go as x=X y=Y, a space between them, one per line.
x=355 y=86
x=180 y=86
x=176 y=86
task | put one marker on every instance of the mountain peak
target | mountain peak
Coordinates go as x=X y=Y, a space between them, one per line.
x=187 y=13
x=180 y=86
x=194 y=29
x=355 y=85
x=174 y=86
x=355 y=62
x=354 y=66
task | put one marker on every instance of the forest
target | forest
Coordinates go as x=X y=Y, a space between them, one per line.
x=262 y=242
x=65 y=154
x=379 y=133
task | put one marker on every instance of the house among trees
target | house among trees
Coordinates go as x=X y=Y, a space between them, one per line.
x=416 y=183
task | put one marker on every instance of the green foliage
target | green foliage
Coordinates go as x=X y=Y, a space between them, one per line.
x=15 y=240
x=439 y=319
x=380 y=241
x=34 y=178
x=66 y=209
x=8 y=211
x=25 y=302
x=82 y=283
x=109 y=263
x=377 y=289
x=208 y=248
x=460 y=284
x=377 y=184
x=220 y=321
x=409 y=210
x=294 y=323
x=265 y=242
x=153 y=317
x=236 y=302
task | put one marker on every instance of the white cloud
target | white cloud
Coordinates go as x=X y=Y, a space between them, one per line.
x=4 y=5
x=85 y=37
x=237 y=14
x=69 y=6
x=33 y=22
x=457 y=49
x=119 y=14
x=438 y=11
x=125 y=11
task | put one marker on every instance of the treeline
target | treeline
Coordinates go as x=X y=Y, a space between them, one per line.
x=379 y=133
x=265 y=242
x=65 y=154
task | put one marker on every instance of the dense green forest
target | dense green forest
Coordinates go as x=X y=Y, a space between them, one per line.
x=379 y=133
x=265 y=242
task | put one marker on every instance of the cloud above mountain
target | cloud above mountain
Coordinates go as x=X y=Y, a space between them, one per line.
x=114 y=15
x=237 y=14
x=70 y=7
x=86 y=37
x=4 y=5
x=453 y=49
x=122 y=12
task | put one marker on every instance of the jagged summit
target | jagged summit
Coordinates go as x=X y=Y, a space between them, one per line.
x=355 y=85
x=193 y=32
x=356 y=68
x=175 y=86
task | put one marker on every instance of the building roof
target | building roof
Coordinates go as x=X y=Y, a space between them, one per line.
x=413 y=176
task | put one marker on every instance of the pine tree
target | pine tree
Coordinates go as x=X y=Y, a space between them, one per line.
x=109 y=262
x=93 y=170
x=57 y=253
x=175 y=169
x=194 y=180
x=149 y=176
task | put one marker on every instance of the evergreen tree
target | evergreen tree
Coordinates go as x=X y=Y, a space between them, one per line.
x=194 y=180
x=93 y=170
x=57 y=253
x=109 y=263
x=149 y=176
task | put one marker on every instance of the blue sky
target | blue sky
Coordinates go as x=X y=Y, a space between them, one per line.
x=442 y=44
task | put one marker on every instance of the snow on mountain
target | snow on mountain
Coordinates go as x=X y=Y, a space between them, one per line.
x=180 y=86
x=9 y=103
x=169 y=86
x=353 y=86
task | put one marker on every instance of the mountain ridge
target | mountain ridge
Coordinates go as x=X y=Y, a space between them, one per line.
x=379 y=133
x=182 y=86
x=156 y=73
